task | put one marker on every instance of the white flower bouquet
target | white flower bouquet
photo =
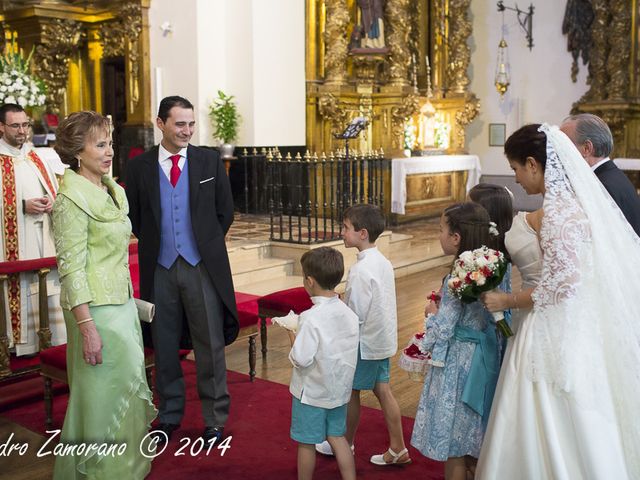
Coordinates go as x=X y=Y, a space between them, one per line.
x=17 y=85
x=478 y=271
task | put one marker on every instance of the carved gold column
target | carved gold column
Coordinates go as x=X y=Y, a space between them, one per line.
x=459 y=53
x=335 y=38
x=398 y=41
x=60 y=39
x=599 y=52
x=440 y=35
x=617 y=65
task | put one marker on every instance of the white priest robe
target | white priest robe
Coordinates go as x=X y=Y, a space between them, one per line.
x=34 y=237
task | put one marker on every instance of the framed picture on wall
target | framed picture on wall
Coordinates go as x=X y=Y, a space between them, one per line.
x=497 y=134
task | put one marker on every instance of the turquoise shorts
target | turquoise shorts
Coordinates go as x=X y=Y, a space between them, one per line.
x=314 y=424
x=370 y=372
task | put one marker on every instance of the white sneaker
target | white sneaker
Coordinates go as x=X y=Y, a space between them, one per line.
x=325 y=448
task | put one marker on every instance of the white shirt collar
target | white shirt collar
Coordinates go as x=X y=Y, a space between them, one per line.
x=164 y=154
x=366 y=252
x=604 y=160
x=13 y=151
x=322 y=299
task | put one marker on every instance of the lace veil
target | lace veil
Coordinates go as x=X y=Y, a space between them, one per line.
x=586 y=334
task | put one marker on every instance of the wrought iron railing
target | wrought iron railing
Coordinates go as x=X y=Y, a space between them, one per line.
x=306 y=194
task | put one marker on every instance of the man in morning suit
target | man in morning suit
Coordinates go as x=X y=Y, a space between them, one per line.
x=180 y=206
x=594 y=141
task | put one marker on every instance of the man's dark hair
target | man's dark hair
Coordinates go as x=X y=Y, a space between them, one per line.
x=9 y=107
x=168 y=103
x=325 y=265
x=367 y=216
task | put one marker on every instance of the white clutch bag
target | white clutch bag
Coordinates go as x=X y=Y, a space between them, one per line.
x=146 y=310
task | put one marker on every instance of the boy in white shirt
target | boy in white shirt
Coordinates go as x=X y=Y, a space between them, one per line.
x=324 y=355
x=371 y=294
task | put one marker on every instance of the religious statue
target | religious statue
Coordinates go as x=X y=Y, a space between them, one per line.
x=427 y=126
x=371 y=29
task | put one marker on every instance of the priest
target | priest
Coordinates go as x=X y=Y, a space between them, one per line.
x=29 y=188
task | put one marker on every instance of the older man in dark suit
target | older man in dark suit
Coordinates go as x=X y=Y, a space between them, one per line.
x=594 y=141
x=180 y=206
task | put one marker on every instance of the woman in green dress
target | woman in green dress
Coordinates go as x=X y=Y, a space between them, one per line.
x=110 y=407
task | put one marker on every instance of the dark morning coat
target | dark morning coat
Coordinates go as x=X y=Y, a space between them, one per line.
x=622 y=191
x=211 y=216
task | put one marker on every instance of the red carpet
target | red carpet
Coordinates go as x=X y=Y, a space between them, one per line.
x=260 y=448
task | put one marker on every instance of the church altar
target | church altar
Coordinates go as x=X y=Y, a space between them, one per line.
x=425 y=185
x=632 y=164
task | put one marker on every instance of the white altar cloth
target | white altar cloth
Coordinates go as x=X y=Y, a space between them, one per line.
x=401 y=167
x=627 y=163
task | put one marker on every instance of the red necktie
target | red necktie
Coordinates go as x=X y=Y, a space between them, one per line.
x=174 y=174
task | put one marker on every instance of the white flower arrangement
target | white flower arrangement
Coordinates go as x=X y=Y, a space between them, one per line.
x=17 y=85
x=442 y=134
x=409 y=134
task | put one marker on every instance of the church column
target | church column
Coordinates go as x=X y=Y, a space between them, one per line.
x=335 y=38
x=398 y=40
x=459 y=53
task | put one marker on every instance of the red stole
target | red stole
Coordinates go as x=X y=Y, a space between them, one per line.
x=10 y=231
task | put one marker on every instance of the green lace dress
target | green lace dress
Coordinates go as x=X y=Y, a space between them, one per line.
x=110 y=406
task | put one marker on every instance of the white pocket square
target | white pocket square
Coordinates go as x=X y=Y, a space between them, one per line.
x=207 y=180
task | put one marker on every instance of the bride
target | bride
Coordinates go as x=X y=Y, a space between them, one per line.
x=569 y=389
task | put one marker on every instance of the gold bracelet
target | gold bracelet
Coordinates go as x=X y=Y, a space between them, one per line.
x=84 y=321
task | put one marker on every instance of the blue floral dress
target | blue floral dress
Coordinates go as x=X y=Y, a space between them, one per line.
x=459 y=386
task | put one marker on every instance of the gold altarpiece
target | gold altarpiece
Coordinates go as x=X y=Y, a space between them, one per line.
x=72 y=40
x=389 y=85
x=344 y=82
x=614 y=74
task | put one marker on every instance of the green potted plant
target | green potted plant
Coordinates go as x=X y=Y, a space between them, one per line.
x=225 y=120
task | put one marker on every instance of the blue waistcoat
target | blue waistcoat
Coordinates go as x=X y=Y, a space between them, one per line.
x=176 y=232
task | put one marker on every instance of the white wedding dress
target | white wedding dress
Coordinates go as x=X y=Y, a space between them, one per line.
x=567 y=401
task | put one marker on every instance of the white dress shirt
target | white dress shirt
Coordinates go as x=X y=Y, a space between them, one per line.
x=164 y=157
x=325 y=354
x=604 y=160
x=371 y=293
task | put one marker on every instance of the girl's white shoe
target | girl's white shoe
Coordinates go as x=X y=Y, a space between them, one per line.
x=379 y=459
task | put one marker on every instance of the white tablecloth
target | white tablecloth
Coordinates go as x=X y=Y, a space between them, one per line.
x=401 y=167
x=627 y=163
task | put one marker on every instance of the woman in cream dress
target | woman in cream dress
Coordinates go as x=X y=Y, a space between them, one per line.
x=567 y=398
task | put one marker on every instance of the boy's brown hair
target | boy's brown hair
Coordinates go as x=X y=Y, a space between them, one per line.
x=325 y=265
x=367 y=216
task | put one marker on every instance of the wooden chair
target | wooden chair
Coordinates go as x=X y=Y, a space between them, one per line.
x=249 y=329
x=7 y=269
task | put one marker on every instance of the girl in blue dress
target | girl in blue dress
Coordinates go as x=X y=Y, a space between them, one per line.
x=498 y=202
x=458 y=388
